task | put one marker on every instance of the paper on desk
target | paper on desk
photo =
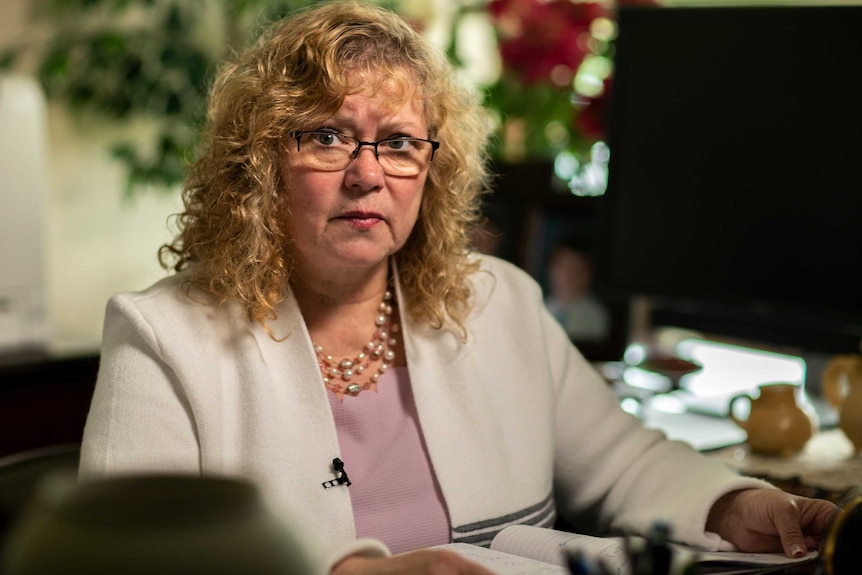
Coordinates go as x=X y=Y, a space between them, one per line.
x=727 y=562
x=521 y=547
x=702 y=432
x=550 y=546
x=504 y=563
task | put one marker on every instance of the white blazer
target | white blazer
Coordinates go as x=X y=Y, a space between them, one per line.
x=519 y=427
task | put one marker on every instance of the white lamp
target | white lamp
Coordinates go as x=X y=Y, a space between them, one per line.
x=23 y=192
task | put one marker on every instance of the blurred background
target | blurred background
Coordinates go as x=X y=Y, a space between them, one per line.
x=111 y=91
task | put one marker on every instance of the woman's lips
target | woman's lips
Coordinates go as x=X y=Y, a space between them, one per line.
x=361 y=220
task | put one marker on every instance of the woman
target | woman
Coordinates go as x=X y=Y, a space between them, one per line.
x=328 y=334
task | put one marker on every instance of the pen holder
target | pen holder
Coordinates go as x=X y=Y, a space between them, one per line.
x=840 y=555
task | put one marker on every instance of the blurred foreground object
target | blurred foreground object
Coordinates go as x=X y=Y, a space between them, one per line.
x=146 y=524
x=840 y=552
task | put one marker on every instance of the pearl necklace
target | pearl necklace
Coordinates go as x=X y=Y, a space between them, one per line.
x=338 y=374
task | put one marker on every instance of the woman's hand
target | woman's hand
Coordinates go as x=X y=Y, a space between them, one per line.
x=769 y=520
x=423 y=562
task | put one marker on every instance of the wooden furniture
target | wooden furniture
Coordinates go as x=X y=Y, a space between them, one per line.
x=528 y=212
x=44 y=399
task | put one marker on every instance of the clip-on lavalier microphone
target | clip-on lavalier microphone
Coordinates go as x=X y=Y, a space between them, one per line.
x=342 y=478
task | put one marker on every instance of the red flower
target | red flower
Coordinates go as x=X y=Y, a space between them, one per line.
x=592 y=120
x=543 y=40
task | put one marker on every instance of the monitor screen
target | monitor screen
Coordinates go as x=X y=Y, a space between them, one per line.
x=734 y=198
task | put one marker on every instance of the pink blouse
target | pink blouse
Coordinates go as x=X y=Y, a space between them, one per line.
x=395 y=494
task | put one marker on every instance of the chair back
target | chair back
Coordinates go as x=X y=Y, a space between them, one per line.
x=20 y=474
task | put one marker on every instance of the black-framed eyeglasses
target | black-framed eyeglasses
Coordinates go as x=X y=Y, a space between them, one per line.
x=333 y=151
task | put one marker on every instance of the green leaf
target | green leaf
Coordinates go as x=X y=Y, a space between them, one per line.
x=8 y=59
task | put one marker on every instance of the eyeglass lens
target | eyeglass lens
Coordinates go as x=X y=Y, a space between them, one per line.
x=330 y=151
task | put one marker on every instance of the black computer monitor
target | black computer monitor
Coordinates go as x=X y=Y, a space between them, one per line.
x=734 y=196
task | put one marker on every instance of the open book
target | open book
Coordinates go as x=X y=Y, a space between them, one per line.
x=528 y=550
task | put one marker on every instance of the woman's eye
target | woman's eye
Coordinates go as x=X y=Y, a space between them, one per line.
x=325 y=138
x=398 y=145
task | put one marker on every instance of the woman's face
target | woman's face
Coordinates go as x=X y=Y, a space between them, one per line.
x=356 y=217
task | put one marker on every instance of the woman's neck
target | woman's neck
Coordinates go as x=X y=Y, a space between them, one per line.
x=339 y=311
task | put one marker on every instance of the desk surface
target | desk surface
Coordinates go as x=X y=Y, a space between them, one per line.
x=827 y=467
x=828 y=464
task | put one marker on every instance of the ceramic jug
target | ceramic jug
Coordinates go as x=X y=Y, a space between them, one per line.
x=842 y=385
x=776 y=424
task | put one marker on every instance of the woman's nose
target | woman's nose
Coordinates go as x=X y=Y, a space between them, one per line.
x=364 y=171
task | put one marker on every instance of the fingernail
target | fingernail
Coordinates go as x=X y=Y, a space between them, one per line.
x=797 y=551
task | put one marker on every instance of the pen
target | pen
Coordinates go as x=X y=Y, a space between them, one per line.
x=659 y=549
x=578 y=564
x=637 y=555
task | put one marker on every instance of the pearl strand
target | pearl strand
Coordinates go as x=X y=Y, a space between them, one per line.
x=338 y=374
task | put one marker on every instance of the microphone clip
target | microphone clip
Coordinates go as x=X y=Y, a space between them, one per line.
x=341 y=479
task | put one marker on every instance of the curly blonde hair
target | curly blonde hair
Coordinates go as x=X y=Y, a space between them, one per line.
x=232 y=234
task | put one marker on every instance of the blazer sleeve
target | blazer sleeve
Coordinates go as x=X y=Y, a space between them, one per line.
x=614 y=475
x=139 y=419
